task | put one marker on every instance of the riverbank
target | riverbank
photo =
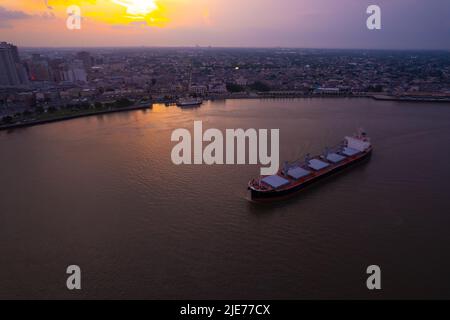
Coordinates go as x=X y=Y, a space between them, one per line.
x=411 y=98
x=277 y=95
x=380 y=97
x=73 y=116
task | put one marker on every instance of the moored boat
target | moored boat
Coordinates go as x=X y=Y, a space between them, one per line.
x=189 y=102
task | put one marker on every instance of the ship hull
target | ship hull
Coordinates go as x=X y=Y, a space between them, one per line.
x=273 y=194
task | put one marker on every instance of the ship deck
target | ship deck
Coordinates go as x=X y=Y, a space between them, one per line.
x=343 y=159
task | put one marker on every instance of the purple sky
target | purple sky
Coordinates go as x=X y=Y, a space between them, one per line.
x=406 y=24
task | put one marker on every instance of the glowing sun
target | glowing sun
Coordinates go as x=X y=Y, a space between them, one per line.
x=138 y=8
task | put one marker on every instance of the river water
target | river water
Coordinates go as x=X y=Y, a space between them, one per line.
x=102 y=193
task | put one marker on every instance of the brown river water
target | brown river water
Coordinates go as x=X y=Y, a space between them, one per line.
x=102 y=192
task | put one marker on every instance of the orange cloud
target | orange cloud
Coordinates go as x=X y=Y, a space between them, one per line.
x=118 y=22
x=113 y=12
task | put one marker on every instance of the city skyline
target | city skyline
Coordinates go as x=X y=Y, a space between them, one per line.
x=40 y=79
x=179 y=23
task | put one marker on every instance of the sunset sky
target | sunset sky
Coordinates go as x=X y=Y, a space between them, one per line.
x=406 y=24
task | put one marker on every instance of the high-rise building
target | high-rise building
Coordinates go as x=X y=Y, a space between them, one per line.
x=73 y=72
x=55 y=66
x=39 y=68
x=12 y=70
x=86 y=58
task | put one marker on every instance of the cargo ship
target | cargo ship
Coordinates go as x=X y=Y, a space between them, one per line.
x=297 y=175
